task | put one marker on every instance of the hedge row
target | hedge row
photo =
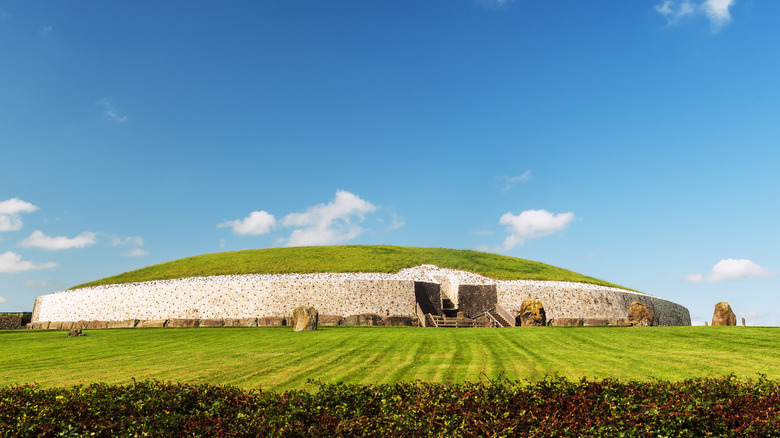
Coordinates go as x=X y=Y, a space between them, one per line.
x=552 y=407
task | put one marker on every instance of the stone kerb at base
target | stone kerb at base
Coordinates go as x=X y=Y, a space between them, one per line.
x=565 y=301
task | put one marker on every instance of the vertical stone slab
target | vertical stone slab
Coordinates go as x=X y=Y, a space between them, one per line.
x=305 y=319
x=723 y=315
x=476 y=298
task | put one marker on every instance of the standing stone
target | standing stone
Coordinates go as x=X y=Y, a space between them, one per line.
x=305 y=319
x=532 y=313
x=743 y=322
x=640 y=315
x=723 y=315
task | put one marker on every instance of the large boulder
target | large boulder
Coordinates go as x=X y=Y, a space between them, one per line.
x=595 y=322
x=213 y=322
x=567 y=322
x=240 y=322
x=640 y=315
x=723 y=315
x=398 y=321
x=330 y=319
x=128 y=323
x=532 y=313
x=305 y=319
x=363 y=319
x=272 y=321
x=183 y=322
x=97 y=325
x=152 y=323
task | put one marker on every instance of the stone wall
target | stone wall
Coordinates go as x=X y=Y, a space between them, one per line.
x=475 y=299
x=10 y=322
x=239 y=296
x=579 y=300
x=257 y=296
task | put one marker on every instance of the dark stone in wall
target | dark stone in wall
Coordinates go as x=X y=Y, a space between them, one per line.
x=476 y=298
x=428 y=295
x=10 y=322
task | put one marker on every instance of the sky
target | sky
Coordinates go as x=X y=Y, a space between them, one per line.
x=631 y=141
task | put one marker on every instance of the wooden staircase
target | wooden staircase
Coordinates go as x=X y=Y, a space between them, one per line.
x=495 y=317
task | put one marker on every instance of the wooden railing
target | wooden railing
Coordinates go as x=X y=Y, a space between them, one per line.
x=504 y=314
x=421 y=316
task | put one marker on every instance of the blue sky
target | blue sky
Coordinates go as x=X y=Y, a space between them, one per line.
x=632 y=141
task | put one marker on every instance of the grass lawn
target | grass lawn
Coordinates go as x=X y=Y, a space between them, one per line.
x=351 y=258
x=278 y=358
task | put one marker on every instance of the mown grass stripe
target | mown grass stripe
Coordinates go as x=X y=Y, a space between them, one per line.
x=277 y=358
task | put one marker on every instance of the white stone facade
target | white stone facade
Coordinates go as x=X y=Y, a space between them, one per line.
x=248 y=296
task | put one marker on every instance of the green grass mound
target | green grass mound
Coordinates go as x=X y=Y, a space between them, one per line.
x=353 y=258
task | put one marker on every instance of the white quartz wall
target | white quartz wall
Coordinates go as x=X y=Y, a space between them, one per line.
x=236 y=296
x=249 y=296
x=579 y=300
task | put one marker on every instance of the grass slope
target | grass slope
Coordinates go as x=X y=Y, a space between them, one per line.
x=353 y=258
x=278 y=358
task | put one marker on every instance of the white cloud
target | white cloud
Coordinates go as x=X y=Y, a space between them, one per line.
x=137 y=252
x=257 y=223
x=5 y=15
x=9 y=213
x=11 y=262
x=43 y=31
x=3 y=300
x=328 y=224
x=717 y=11
x=110 y=111
x=135 y=241
x=674 y=10
x=732 y=269
x=39 y=240
x=531 y=224
x=131 y=240
x=396 y=223
x=509 y=181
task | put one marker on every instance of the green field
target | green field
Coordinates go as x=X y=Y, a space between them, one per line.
x=278 y=358
x=354 y=258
